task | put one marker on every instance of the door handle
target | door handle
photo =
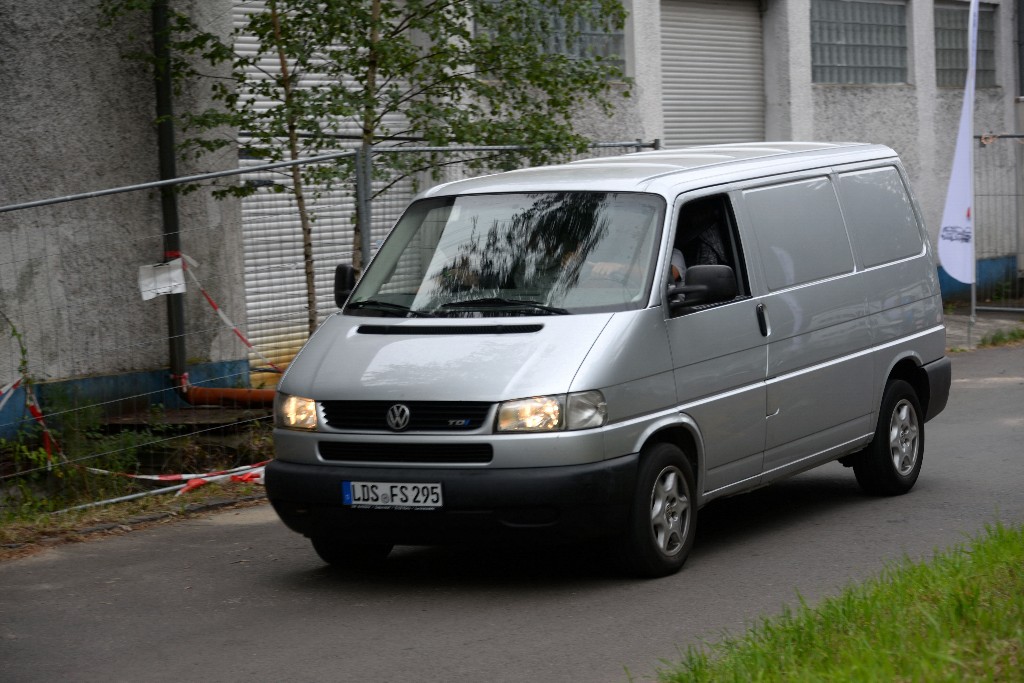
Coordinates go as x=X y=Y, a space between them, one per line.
x=762 y=321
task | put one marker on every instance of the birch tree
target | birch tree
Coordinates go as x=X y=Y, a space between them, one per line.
x=423 y=72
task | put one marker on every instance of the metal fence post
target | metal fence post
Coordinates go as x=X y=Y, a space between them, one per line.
x=1019 y=161
x=364 y=187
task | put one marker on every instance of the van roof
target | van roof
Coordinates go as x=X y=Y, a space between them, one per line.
x=660 y=170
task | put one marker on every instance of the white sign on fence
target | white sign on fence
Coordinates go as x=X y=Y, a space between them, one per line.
x=161 y=278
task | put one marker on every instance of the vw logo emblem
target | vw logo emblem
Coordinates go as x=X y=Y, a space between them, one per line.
x=398 y=417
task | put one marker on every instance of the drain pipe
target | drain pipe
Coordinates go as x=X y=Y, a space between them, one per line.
x=196 y=396
x=168 y=194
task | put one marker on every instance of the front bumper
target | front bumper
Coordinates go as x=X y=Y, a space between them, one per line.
x=480 y=505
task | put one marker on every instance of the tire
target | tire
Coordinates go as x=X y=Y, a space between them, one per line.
x=891 y=464
x=663 y=517
x=342 y=554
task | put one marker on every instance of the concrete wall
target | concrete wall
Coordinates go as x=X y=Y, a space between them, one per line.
x=917 y=119
x=78 y=117
x=639 y=115
x=643 y=65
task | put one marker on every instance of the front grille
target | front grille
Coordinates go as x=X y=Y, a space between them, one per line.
x=425 y=416
x=412 y=452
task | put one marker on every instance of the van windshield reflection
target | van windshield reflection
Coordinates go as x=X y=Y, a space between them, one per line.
x=515 y=254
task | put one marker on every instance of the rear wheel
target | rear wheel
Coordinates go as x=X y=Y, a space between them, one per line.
x=338 y=553
x=890 y=465
x=663 y=517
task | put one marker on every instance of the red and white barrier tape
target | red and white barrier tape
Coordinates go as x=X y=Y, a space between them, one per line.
x=50 y=444
x=245 y=473
x=252 y=473
x=188 y=261
x=7 y=391
x=254 y=476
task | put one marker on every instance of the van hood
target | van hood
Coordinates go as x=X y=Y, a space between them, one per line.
x=485 y=359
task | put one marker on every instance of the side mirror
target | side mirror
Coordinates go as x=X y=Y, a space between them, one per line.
x=704 y=285
x=344 y=283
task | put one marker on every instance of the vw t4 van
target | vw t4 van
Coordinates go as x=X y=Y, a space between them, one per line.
x=596 y=350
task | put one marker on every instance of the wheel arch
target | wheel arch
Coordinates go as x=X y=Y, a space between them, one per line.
x=684 y=435
x=910 y=369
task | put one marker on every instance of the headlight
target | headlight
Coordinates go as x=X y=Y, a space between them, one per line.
x=537 y=414
x=586 y=410
x=294 y=412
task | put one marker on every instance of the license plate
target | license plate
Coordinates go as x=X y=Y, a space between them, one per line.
x=391 y=495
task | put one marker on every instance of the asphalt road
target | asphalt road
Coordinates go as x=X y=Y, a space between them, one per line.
x=236 y=596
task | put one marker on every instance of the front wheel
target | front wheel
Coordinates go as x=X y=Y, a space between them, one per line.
x=663 y=517
x=890 y=465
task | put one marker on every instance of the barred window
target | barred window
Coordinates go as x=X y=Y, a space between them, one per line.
x=594 y=40
x=951 y=45
x=858 y=42
x=579 y=37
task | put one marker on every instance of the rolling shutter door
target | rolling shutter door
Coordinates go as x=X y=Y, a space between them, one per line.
x=712 y=71
x=275 y=282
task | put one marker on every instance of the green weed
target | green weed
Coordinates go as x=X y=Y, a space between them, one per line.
x=959 y=617
x=1003 y=337
x=87 y=462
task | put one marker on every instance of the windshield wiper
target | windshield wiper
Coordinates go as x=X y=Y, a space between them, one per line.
x=498 y=302
x=388 y=306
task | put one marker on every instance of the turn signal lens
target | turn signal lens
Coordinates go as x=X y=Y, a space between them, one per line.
x=587 y=410
x=294 y=412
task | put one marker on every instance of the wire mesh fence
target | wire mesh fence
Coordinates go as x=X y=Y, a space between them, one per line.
x=89 y=409
x=999 y=225
x=274 y=268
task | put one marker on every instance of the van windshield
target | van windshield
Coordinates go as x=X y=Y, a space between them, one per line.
x=515 y=254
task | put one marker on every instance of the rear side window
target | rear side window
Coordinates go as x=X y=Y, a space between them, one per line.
x=878 y=212
x=800 y=232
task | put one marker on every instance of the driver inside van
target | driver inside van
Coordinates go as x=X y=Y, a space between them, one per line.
x=701 y=228
x=677 y=270
x=609 y=268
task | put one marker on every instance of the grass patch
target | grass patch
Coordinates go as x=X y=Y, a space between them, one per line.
x=29 y=533
x=959 y=617
x=1003 y=337
x=93 y=465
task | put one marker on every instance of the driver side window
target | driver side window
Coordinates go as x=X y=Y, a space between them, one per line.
x=706 y=236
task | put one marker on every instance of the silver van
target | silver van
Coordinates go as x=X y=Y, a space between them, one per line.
x=596 y=350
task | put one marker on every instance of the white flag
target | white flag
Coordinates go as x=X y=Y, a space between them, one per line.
x=956 y=239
